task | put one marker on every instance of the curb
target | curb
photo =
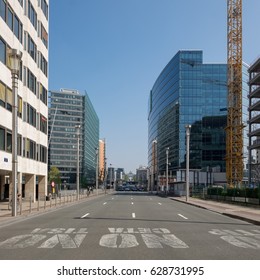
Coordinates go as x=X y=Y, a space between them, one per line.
x=252 y=221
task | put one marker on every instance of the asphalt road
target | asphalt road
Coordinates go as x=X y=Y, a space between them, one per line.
x=130 y=226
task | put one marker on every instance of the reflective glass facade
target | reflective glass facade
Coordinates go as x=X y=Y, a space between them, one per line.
x=188 y=92
x=69 y=108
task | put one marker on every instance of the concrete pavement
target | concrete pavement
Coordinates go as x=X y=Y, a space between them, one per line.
x=250 y=214
x=29 y=208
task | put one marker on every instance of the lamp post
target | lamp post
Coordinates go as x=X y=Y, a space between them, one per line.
x=77 y=127
x=188 y=127
x=97 y=171
x=15 y=57
x=110 y=175
x=105 y=175
x=167 y=165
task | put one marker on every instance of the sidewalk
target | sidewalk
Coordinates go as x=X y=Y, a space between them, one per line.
x=34 y=208
x=250 y=214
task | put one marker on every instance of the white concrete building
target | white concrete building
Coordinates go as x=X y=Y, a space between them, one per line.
x=24 y=26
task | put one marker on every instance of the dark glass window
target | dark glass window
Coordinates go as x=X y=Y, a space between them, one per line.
x=3 y=9
x=2 y=51
x=2 y=139
x=9 y=142
x=10 y=18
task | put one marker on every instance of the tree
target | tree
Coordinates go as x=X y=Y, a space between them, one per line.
x=54 y=175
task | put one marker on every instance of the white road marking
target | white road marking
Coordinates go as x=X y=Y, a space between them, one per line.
x=183 y=216
x=132 y=203
x=104 y=203
x=239 y=238
x=131 y=198
x=153 y=238
x=159 y=203
x=84 y=216
x=133 y=215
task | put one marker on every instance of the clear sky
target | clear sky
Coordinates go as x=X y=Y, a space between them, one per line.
x=115 y=50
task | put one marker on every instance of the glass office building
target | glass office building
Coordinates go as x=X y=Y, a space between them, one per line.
x=69 y=108
x=188 y=92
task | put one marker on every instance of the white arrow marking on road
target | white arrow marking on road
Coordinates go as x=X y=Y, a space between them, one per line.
x=84 y=216
x=133 y=215
x=183 y=216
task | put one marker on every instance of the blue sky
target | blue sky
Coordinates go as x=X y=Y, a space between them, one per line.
x=115 y=50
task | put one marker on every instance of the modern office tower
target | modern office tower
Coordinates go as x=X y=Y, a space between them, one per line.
x=24 y=27
x=254 y=122
x=69 y=109
x=187 y=92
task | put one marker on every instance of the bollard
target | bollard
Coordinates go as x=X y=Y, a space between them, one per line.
x=30 y=210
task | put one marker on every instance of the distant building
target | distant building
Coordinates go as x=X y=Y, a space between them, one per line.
x=24 y=26
x=142 y=176
x=254 y=122
x=69 y=108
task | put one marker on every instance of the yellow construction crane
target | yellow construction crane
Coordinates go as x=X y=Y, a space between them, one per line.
x=234 y=129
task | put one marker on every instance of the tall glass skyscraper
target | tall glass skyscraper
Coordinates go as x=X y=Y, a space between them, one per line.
x=188 y=92
x=69 y=108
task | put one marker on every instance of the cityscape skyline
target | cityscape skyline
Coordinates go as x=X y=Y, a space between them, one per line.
x=121 y=50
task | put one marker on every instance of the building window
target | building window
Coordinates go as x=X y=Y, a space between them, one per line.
x=2 y=139
x=43 y=94
x=10 y=18
x=32 y=50
x=31 y=81
x=44 y=7
x=2 y=95
x=2 y=51
x=3 y=9
x=9 y=142
x=43 y=124
x=9 y=99
x=31 y=115
x=32 y=15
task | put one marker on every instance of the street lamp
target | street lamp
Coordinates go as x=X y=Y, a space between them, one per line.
x=188 y=127
x=97 y=170
x=167 y=165
x=15 y=57
x=77 y=127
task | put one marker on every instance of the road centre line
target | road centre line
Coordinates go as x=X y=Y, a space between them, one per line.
x=183 y=216
x=133 y=215
x=84 y=216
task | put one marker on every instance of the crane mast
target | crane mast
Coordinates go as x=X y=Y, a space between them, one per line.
x=234 y=129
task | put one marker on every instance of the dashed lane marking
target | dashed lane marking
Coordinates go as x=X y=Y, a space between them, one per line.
x=183 y=216
x=84 y=216
x=133 y=215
